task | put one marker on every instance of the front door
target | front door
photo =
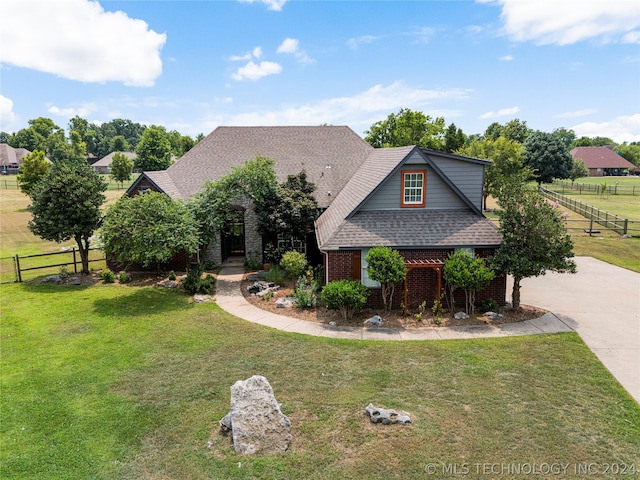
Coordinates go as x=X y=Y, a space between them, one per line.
x=233 y=239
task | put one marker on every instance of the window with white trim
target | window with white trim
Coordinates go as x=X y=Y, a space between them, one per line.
x=470 y=251
x=364 y=276
x=413 y=188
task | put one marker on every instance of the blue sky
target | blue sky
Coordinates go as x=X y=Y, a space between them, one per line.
x=194 y=65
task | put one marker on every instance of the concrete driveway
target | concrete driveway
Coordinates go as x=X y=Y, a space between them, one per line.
x=602 y=304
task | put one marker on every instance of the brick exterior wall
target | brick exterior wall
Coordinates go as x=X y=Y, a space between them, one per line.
x=422 y=282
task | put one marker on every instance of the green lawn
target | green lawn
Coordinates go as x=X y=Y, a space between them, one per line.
x=115 y=382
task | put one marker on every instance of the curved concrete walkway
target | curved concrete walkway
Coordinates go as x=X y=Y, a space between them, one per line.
x=601 y=303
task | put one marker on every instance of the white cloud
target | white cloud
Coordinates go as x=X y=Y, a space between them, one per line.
x=255 y=71
x=255 y=53
x=292 y=46
x=565 y=22
x=577 y=113
x=423 y=35
x=78 y=40
x=275 y=5
x=354 y=43
x=358 y=111
x=503 y=112
x=506 y=58
x=621 y=129
x=82 y=111
x=8 y=119
x=632 y=37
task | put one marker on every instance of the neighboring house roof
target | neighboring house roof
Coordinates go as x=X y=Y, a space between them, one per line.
x=107 y=159
x=600 y=157
x=344 y=226
x=10 y=156
x=330 y=156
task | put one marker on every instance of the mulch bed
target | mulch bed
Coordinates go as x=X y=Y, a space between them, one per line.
x=392 y=319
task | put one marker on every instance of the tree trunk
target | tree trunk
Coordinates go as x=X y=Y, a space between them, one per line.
x=515 y=294
x=83 y=248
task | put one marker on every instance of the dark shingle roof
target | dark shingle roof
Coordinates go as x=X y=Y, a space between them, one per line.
x=329 y=155
x=415 y=229
x=600 y=157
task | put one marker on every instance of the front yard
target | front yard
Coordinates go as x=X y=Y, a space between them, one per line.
x=129 y=382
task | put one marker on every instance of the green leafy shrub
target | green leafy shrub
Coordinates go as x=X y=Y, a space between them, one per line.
x=386 y=266
x=489 y=305
x=124 y=277
x=294 y=263
x=348 y=296
x=276 y=275
x=305 y=293
x=252 y=261
x=172 y=275
x=194 y=283
x=107 y=276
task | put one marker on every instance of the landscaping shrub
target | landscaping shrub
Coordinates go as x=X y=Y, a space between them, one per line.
x=305 y=292
x=348 y=296
x=194 y=283
x=252 y=261
x=107 y=276
x=276 y=275
x=172 y=275
x=124 y=277
x=294 y=263
x=489 y=305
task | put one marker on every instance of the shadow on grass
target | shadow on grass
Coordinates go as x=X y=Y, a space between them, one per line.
x=133 y=302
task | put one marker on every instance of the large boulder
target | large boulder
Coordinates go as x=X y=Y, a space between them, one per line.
x=257 y=424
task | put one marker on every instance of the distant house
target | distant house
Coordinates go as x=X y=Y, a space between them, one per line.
x=424 y=203
x=11 y=158
x=104 y=164
x=602 y=161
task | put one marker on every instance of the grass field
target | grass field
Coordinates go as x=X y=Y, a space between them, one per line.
x=114 y=382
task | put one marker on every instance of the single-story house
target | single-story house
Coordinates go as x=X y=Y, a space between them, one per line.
x=424 y=203
x=11 y=158
x=602 y=161
x=104 y=164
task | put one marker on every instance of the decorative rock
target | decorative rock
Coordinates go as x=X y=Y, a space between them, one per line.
x=375 y=320
x=386 y=416
x=73 y=281
x=167 y=284
x=52 y=279
x=262 y=293
x=333 y=324
x=256 y=420
x=286 y=302
x=197 y=298
x=461 y=316
x=493 y=315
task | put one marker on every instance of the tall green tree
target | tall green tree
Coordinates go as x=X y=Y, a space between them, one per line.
x=472 y=274
x=630 y=151
x=386 y=266
x=516 y=130
x=407 y=127
x=454 y=139
x=148 y=230
x=547 y=156
x=119 y=144
x=66 y=204
x=578 y=170
x=154 y=150
x=33 y=168
x=534 y=238
x=121 y=168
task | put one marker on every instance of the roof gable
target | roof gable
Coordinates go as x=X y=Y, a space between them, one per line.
x=379 y=167
x=107 y=159
x=600 y=157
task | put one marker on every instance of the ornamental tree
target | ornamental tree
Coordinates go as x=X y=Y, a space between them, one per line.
x=461 y=270
x=387 y=267
x=548 y=156
x=154 y=150
x=534 y=237
x=66 y=204
x=32 y=169
x=148 y=230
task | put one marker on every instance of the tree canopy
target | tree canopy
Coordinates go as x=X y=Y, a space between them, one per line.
x=154 y=150
x=33 y=168
x=148 y=230
x=386 y=266
x=407 y=127
x=534 y=237
x=548 y=156
x=121 y=167
x=461 y=270
x=66 y=204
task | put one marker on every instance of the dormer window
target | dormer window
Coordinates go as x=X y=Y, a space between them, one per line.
x=413 y=188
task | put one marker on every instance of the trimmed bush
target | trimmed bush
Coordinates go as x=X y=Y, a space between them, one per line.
x=107 y=276
x=124 y=277
x=305 y=293
x=348 y=296
x=194 y=283
x=294 y=263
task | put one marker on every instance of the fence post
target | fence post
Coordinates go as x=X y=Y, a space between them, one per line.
x=626 y=225
x=75 y=265
x=19 y=274
x=590 y=226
